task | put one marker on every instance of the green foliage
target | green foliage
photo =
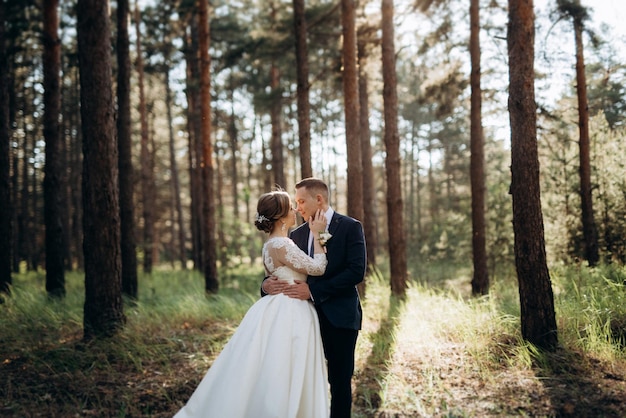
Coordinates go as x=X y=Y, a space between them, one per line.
x=606 y=89
x=609 y=147
x=561 y=185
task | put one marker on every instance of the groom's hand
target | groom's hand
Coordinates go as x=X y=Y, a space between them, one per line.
x=273 y=286
x=299 y=290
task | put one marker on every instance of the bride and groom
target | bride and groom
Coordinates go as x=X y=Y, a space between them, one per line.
x=301 y=335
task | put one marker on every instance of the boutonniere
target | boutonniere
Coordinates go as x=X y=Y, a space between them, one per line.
x=324 y=237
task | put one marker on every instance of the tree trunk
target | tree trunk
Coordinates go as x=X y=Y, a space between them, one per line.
x=590 y=232
x=369 y=187
x=302 y=75
x=480 y=279
x=177 y=221
x=154 y=191
x=210 y=245
x=66 y=204
x=278 y=159
x=276 y=142
x=14 y=158
x=24 y=225
x=195 y=147
x=536 y=298
x=147 y=176
x=265 y=162
x=52 y=185
x=351 y=109
x=126 y=177
x=395 y=211
x=75 y=179
x=233 y=134
x=433 y=204
x=103 y=313
x=416 y=187
x=222 y=241
x=34 y=215
x=5 y=179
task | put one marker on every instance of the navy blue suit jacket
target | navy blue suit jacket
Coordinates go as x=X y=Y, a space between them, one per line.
x=335 y=293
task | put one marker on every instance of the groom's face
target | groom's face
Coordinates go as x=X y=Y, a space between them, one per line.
x=307 y=203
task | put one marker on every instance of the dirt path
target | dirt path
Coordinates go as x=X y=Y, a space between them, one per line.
x=434 y=367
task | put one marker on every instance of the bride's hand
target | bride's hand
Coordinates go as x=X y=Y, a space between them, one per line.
x=317 y=223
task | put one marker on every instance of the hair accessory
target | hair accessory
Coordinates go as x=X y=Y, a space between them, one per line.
x=261 y=218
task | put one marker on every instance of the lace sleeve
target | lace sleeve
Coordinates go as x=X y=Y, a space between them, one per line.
x=288 y=254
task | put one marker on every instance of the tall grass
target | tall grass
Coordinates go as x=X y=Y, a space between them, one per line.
x=432 y=328
x=442 y=333
x=49 y=368
x=166 y=298
x=591 y=307
x=428 y=354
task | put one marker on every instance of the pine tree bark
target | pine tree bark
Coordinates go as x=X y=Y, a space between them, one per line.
x=65 y=190
x=536 y=298
x=351 y=109
x=195 y=146
x=480 y=278
x=55 y=266
x=6 y=214
x=178 y=226
x=13 y=158
x=126 y=172
x=147 y=175
x=75 y=178
x=369 y=187
x=302 y=92
x=233 y=135
x=103 y=310
x=211 y=283
x=590 y=231
x=222 y=241
x=393 y=162
x=278 y=159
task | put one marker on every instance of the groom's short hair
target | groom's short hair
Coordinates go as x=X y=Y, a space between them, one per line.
x=314 y=186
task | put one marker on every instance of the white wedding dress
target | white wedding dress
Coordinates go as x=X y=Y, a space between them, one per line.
x=274 y=365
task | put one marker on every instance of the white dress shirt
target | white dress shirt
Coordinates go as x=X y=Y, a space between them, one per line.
x=329 y=216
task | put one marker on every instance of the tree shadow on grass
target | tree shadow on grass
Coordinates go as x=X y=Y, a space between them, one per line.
x=581 y=386
x=371 y=380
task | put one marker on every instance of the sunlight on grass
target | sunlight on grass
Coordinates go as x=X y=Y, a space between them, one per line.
x=436 y=333
x=591 y=306
x=419 y=347
x=437 y=352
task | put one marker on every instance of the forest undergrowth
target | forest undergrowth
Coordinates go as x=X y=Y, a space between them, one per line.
x=436 y=353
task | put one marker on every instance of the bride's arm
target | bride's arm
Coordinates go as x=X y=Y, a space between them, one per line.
x=296 y=259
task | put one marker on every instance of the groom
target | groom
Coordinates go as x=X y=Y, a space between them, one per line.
x=334 y=294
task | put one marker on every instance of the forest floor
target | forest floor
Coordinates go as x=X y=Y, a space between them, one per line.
x=574 y=387
x=568 y=385
x=410 y=363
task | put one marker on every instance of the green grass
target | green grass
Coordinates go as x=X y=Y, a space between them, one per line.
x=437 y=352
x=440 y=352
x=591 y=304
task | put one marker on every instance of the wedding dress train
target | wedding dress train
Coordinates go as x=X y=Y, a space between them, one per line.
x=273 y=366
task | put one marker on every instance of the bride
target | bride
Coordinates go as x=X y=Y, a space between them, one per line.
x=273 y=366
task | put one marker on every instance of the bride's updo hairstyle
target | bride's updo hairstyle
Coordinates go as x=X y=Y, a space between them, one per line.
x=271 y=207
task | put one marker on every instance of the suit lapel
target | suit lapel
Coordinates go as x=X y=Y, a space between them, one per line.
x=334 y=223
x=301 y=237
